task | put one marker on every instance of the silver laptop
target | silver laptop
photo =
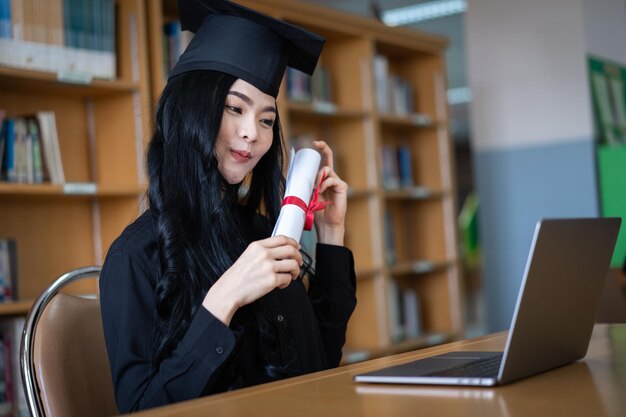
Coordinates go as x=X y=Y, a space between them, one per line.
x=553 y=319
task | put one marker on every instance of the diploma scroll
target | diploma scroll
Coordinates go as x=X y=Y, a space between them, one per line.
x=303 y=167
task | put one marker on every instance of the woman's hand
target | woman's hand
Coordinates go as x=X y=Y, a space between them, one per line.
x=264 y=265
x=330 y=222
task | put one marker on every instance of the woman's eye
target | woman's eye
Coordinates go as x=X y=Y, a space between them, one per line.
x=268 y=122
x=234 y=109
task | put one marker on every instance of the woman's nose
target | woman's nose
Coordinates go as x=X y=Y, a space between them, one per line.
x=248 y=130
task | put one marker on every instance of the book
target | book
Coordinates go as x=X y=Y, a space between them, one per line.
x=172 y=32
x=396 y=332
x=175 y=41
x=298 y=85
x=412 y=318
x=20 y=147
x=390 y=245
x=321 y=90
x=389 y=164
x=6 y=29
x=11 y=329
x=30 y=148
x=61 y=36
x=394 y=94
x=400 y=96
x=8 y=270
x=37 y=167
x=8 y=161
x=405 y=166
x=381 y=79
x=17 y=20
x=51 y=149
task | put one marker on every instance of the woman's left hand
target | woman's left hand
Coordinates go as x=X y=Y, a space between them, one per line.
x=330 y=222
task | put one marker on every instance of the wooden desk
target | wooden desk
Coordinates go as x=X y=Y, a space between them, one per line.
x=594 y=387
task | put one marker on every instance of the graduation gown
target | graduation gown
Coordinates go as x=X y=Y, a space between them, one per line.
x=315 y=320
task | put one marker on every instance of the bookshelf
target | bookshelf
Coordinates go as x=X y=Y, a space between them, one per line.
x=102 y=126
x=423 y=218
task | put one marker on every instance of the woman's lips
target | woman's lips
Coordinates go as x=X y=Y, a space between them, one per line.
x=240 y=156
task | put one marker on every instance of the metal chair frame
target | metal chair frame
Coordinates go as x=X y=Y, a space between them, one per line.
x=27 y=367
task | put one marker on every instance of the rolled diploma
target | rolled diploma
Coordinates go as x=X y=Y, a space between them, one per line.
x=303 y=167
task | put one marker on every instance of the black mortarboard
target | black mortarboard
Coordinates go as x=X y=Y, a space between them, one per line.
x=242 y=42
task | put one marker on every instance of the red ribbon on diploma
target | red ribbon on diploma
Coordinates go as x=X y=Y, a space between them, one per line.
x=314 y=205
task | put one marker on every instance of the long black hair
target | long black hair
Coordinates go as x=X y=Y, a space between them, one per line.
x=197 y=214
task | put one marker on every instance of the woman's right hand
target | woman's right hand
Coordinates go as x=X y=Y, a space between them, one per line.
x=264 y=265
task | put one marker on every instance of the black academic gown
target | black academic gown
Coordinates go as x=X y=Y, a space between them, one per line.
x=315 y=320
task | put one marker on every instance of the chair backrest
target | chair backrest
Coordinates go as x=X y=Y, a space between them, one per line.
x=64 y=363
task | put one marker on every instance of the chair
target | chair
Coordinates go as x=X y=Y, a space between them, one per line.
x=63 y=359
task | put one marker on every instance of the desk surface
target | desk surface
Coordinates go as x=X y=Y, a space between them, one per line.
x=594 y=386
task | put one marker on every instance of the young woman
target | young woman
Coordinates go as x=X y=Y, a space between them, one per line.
x=196 y=298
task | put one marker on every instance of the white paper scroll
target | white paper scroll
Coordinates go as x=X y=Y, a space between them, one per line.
x=303 y=167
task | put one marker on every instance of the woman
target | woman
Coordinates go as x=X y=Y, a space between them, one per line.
x=196 y=299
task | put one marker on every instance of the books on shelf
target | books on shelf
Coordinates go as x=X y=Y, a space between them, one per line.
x=8 y=270
x=412 y=319
x=397 y=166
x=405 y=166
x=390 y=243
x=298 y=85
x=394 y=94
x=30 y=150
x=396 y=332
x=175 y=41
x=12 y=397
x=305 y=88
x=51 y=152
x=321 y=88
x=404 y=312
x=59 y=36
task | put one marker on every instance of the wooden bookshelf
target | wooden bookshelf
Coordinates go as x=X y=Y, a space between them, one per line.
x=424 y=218
x=15 y=308
x=102 y=128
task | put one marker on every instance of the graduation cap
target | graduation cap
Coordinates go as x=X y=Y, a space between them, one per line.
x=242 y=42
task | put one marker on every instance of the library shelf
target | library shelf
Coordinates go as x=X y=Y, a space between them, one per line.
x=102 y=130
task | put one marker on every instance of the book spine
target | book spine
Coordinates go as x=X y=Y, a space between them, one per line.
x=17 y=19
x=381 y=77
x=56 y=149
x=8 y=166
x=405 y=166
x=6 y=30
x=390 y=244
x=37 y=160
x=13 y=277
x=412 y=317
x=389 y=163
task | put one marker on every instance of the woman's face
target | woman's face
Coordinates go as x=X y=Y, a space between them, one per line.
x=246 y=132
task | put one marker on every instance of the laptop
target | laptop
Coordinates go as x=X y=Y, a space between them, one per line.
x=554 y=316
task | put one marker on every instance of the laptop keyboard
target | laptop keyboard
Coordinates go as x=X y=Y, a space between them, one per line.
x=484 y=367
